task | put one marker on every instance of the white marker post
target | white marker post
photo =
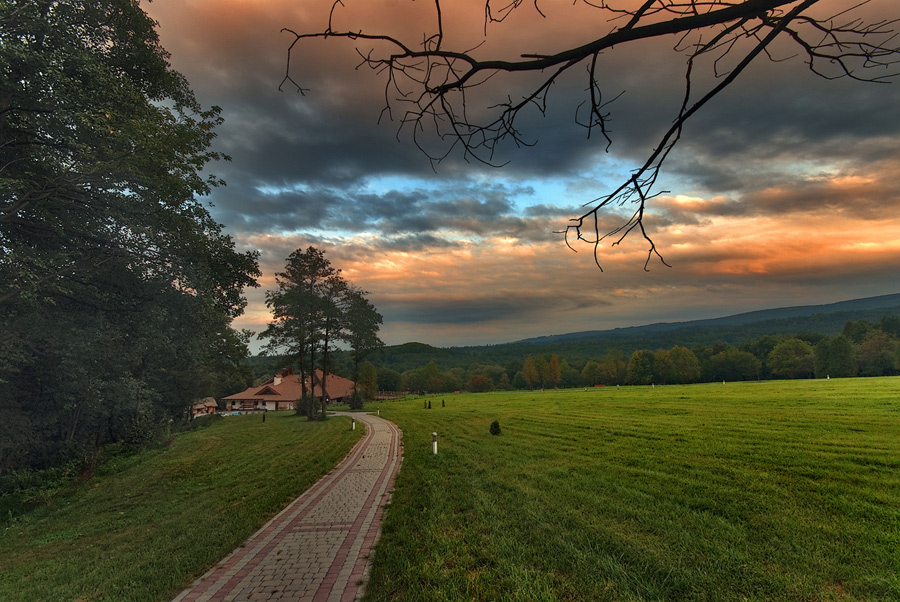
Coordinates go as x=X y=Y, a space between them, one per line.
x=434 y=443
x=353 y=424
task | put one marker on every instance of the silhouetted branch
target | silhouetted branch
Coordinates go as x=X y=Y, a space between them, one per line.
x=432 y=82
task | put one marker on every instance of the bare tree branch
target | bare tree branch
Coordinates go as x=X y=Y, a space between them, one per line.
x=432 y=82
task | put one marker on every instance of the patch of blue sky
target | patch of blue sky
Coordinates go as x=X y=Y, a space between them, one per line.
x=384 y=184
x=564 y=190
x=273 y=190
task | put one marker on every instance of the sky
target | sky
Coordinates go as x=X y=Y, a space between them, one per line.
x=784 y=191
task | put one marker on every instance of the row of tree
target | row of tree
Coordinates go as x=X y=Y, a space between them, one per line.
x=117 y=288
x=863 y=349
x=314 y=311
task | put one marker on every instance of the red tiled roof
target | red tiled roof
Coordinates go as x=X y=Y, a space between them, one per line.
x=287 y=387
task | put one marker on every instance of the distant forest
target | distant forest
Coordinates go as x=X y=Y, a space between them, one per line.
x=854 y=338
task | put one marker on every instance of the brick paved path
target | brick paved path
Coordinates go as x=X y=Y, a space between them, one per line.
x=317 y=548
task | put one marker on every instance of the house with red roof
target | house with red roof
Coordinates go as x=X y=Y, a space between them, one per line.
x=204 y=406
x=284 y=390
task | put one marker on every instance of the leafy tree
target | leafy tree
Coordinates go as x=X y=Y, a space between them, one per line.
x=591 y=373
x=703 y=353
x=454 y=379
x=504 y=384
x=732 y=365
x=877 y=354
x=685 y=365
x=101 y=148
x=492 y=371
x=857 y=331
x=542 y=365
x=554 y=371
x=361 y=325
x=333 y=305
x=313 y=308
x=367 y=382
x=890 y=325
x=479 y=384
x=520 y=382
x=640 y=368
x=570 y=376
x=613 y=367
x=388 y=379
x=663 y=367
x=297 y=305
x=117 y=288
x=761 y=347
x=792 y=358
x=432 y=377
x=834 y=356
x=435 y=384
x=413 y=380
x=530 y=372
x=512 y=366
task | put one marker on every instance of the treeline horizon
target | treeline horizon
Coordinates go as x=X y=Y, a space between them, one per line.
x=861 y=348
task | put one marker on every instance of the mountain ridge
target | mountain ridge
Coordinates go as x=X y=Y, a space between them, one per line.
x=866 y=303
x=805 y=320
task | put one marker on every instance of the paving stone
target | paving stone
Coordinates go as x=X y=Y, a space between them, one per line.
x=318 y=547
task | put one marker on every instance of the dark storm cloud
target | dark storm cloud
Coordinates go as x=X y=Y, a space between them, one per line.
x=489 y=307
x=319 y=169
x=460 y=207
x=551 y=211
x=412 y=243
x=253 y=209
x=330 y=136
x=316 y=146
x=782 y=115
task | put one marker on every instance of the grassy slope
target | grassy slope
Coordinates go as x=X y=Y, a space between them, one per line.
x=747 y=491
x=142 y=532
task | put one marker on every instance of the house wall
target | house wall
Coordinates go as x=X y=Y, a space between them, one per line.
x=257 y=406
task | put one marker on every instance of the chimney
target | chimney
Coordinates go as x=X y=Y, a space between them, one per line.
x=277 y=381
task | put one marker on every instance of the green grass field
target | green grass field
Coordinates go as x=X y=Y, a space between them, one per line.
x=744 y=491
x=783 y=491
x=141 y=530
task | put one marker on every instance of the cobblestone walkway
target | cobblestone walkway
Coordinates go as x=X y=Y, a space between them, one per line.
x=317 y=548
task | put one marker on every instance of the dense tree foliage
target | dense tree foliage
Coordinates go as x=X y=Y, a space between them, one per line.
x=313 y=310
x=766 y=356
x=877 y=354
x=641 y=367
x=834 y=357
x=117 y=288
x=792 y=358
x=367 y=380
x=362 y=323
x=297 y=308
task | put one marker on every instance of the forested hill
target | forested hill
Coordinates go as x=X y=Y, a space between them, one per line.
x=805 y=317
x=822 y=319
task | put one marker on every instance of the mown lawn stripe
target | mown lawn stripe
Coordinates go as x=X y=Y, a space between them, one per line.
x=144 y=532
x=779 y=491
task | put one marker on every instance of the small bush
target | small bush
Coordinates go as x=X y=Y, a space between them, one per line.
x=357 y=400
x=495 y=428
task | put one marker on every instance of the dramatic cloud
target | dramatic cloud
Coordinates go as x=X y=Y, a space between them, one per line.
x=782 y=192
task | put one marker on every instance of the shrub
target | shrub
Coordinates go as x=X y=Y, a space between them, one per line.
x=495 y=428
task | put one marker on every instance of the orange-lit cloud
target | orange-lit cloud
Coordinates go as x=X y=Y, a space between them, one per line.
x=783 y=192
